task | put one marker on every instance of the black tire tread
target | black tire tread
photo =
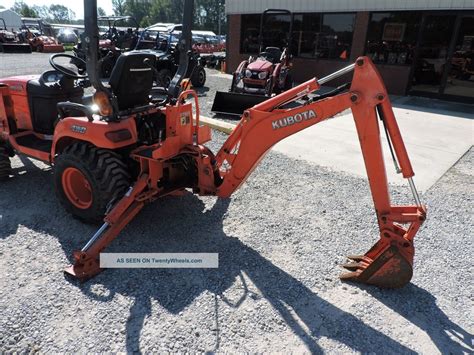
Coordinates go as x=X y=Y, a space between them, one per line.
x=107 y=169
x=5 y=165
x=195 y=77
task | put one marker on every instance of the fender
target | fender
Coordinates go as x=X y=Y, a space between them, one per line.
x=72 y=129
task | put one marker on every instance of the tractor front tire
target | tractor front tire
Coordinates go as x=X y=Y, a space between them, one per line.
x=164 y=78
x=198 y=78
x=5 y=166
x=87 y=179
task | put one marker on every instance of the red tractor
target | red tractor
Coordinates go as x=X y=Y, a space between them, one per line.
x=40 y=35
x=263 y=75
x=134 y=150
x=10 y=42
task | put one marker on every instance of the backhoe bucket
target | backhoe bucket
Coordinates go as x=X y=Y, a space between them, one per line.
x=15 y=48
x=388 y=264
x=232 y=103
x=53 y=48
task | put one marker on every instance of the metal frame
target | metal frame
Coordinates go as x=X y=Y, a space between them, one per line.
x=275 y=12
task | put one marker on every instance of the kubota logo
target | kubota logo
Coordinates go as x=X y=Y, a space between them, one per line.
x=290 y=120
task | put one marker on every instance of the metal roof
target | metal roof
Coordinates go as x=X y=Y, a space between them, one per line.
x=258 y=6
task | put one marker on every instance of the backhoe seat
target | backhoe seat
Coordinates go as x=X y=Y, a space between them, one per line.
x=131 y=79
x=275 y=54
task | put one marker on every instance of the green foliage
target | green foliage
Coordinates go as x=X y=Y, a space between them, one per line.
x=100 y=11
x=61 y=14
x=207 y=13
x=23 y=9
x=119 y=7
x=55 y=13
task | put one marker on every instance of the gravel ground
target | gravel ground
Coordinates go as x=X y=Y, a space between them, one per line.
x=279 y=239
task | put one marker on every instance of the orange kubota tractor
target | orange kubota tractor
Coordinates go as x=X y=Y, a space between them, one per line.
x=135 y=150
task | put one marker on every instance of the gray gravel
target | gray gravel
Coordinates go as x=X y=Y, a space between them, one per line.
x=279 y=239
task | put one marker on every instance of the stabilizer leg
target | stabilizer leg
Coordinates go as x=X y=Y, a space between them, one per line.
x=86 y=261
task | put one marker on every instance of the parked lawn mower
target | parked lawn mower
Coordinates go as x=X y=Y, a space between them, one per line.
x=162 y=42
x=134 y=150
x=261 y=76
x=40 y=35
x=10 y=42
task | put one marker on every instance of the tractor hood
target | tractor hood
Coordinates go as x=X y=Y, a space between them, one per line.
x=260 y=65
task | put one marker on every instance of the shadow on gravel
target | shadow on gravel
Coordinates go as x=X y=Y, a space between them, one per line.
x=182 y=224
x=202 y=91
x=430 y=318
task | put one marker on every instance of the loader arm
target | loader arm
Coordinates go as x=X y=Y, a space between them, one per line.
x=389 y=262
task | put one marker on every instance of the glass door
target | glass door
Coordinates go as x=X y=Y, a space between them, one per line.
x=460 y=76
x=433 y=52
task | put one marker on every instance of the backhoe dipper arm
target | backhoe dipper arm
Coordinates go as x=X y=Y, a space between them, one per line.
x=389 y=262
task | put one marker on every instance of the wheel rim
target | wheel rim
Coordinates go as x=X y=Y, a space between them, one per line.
x=201 y=77
x=77 y=188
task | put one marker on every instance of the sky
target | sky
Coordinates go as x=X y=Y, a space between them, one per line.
x=75 y=5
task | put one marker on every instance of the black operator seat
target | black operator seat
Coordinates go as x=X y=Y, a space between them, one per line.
x=131 y=79
x=275 y=54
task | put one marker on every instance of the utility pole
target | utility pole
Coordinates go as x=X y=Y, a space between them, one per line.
x=219 y=17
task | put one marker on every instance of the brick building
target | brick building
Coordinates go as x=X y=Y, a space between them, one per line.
x=423 y=47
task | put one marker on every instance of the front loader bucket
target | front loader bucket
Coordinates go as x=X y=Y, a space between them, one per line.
x=15 y=48
x=388 y=264
x=53 y=48
x=232 y=103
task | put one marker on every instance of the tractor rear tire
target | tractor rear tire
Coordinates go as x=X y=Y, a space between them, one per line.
x=5 y=166
x=198 y=78
x=164 y=78
x=87 y=179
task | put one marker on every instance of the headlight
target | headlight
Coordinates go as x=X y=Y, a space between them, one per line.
x=248 y=73
x=262 y=75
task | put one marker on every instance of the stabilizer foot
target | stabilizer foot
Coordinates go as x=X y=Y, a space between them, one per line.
x=84 y=268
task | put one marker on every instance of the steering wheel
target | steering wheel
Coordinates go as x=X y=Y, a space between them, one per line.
x=67 y=70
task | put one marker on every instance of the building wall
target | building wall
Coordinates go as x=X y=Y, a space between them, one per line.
x=257 y=6
x=396 y=77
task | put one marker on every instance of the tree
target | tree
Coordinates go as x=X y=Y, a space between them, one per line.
x=210 y=15
x=139 y=10
x=24 y=10
x=119 y=7
x=100 y=11
x=2 y=7
x=42 y=11
x=61 y=13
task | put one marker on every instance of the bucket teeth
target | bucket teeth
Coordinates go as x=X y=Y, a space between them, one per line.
x=357 y=258
x=353 y=266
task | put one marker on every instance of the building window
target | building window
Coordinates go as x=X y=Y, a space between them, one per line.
x=323 y=35
x=391 y=36
x=314 y=35
x=249 y=31
x=275 y=34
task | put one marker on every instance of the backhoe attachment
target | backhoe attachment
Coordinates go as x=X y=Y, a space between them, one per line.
x=181 y=161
